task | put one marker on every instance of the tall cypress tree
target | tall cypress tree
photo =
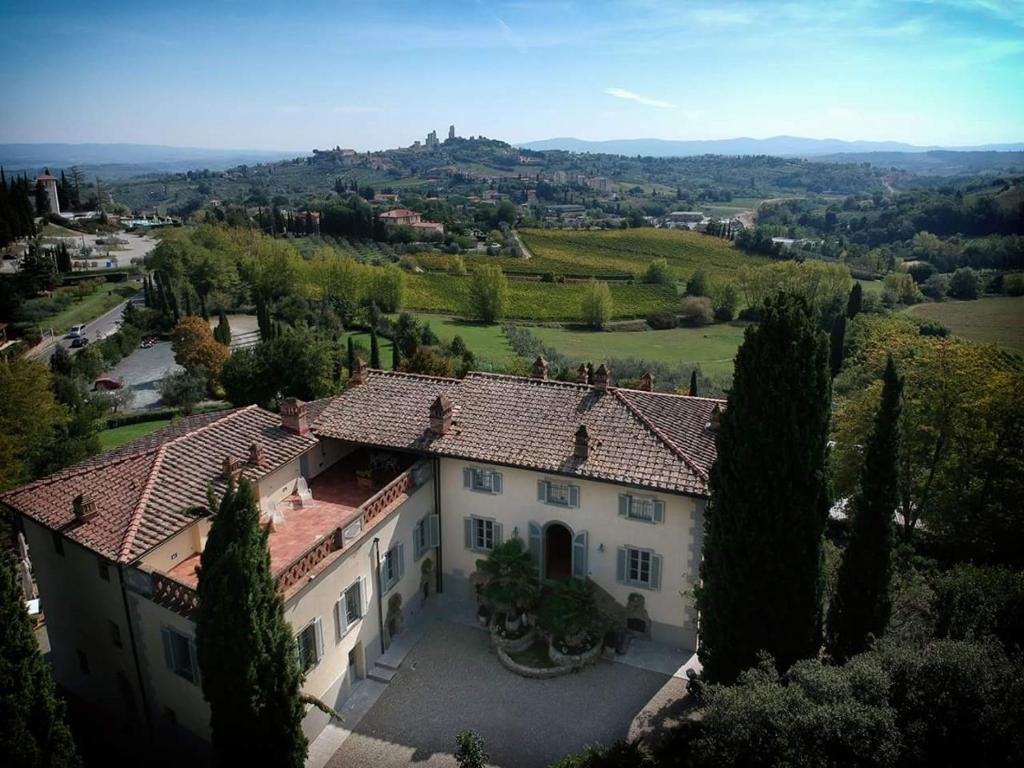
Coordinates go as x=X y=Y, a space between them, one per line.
x=247 y=655
x=837 y=341
x=374 y=350
x=853 y=304
x=861 y=605
x=762 y=570
x=33 y=731
x=222 y=333
x=693 y=383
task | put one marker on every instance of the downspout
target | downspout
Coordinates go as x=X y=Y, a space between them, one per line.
x=437 y=511
x=135 y=653
x=380 y=597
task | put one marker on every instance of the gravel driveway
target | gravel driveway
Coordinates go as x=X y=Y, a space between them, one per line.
x=452 y=682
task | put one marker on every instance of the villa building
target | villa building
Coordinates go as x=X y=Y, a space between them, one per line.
x=403 y=217
x=374 y=501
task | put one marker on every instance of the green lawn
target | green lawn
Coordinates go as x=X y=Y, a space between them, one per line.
x=101 y=300
x=55 y=230
x=872 y=287
x=487 y=342
x=996 y=319
x=118 y=436
x=713 y=346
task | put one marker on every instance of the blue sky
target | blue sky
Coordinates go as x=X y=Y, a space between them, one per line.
x=371 y=75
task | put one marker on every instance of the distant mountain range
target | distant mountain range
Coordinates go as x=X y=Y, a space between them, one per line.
x=784 y=146
x=118 y=160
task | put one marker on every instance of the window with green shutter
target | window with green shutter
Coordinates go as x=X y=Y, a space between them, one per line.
x=481 y=533
x=481 y=480
x=646 y=509
x=180 y=654
x=558 y=494
x=639 y=568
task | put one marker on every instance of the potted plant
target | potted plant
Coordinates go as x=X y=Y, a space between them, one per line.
x=510 y=581
x=569 y=614
x=483 y=614
x=364 y=478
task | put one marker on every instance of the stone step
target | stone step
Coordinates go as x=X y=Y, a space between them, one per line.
x=382 y=674
x=389 y=663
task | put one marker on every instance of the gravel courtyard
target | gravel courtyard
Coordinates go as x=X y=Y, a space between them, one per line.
x=451 y=682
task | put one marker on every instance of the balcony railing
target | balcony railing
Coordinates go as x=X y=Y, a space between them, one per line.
x=183 y=600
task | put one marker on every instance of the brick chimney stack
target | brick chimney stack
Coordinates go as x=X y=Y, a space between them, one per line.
x=540 y=368
x=256 y=456
x=359 y=374
x=231 y=469
x=582 y=375
x=602 y=378
x=85 y=508
x=647 y=382
x=441 y=415
x=581 y=449
x=712 y=425
x=293 y=416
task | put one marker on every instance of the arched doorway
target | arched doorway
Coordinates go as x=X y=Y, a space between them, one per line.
x=557 y=552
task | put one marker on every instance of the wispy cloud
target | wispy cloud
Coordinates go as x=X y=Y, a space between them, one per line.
x=622 y=93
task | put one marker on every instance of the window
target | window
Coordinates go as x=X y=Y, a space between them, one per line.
x=424 y=536
x=310 y=642
x=639 y=568
x=482 y=534
x=392 y=567
x=104 y=570
x=349 y=608
x=115 y=634
x=644 y=508
x=58 y=544
x=180 y=654
x=558 y=494
x=83 y=662
x=481 y=480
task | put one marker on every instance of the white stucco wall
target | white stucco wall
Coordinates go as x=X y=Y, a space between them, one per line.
x=677 y=539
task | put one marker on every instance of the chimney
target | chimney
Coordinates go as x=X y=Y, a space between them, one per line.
x=293 y=416
x=647 y=382
x=441 y=415
x=540 y=368
x=231 y=469
x=581 y=449
x=582 y=375
x=85 y=508
x=359 y=374
x=602 y=378
x=712 y=425
x=256 y=457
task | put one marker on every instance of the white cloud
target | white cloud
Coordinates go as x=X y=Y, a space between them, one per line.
x=622 y=93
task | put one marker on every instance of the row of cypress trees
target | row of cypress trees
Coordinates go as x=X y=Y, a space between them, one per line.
x=17 y=218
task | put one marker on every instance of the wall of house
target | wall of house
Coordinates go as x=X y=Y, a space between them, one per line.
x=325 y=454
x=80 y=608
x=329 y=680
x=179 y=547
x=276 y=485
x=677 y=539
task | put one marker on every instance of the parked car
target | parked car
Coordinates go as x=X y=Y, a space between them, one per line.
x=77 y=331
x=79 y=341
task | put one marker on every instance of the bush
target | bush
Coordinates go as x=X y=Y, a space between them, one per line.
x=658 y=273
x=596 y=305
x=724 y=299
x=936 y=287
x=900 y=288
x=1014 y=284
x=697 y=310
x=663 y=320
x=964 y=284
x=698 y=284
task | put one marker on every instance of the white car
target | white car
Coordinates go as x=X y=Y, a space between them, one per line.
x=77 y=330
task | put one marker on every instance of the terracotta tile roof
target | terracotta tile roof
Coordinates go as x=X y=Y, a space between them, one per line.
x=144 y=489
x=398 y=213
x=655 y=441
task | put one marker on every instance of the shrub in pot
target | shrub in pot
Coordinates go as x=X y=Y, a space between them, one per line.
x=511 y=581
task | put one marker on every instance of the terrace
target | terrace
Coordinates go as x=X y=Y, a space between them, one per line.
x=310 y=529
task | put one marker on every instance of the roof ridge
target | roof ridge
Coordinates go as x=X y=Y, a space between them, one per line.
x=140 y=506
x=407 y=375
x=526 y=379
x=674 y=394
x=227 y=415
x=661 y=435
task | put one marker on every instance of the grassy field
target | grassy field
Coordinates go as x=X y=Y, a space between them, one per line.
x=487 y=342
x=39 y=311
x=55 y=230
x=534 y=300
x=997 y=319
x=118 y=436
x=872 y=287
x=629 y=251
x=713 y=347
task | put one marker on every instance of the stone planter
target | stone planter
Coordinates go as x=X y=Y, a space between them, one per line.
x=534 y=673
x=513 y=645
x=574 y=660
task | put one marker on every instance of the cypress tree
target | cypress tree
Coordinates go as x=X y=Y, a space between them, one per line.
x=693 y=383
x=33 y=732
x=837 y=340
x=222 y=332
x=374 y=350
x=853 y=304
x=247 y=655
x=145 y=291
x=762 y=570
x=351 y=356
x=861 y=605
x=396 y=357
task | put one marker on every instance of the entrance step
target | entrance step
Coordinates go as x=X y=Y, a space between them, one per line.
x=382 y=674
x=391 y=663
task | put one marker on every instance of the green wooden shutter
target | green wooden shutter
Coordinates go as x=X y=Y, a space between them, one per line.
x=655 y=572
x=498 y=534
x=659 y=511
x=468 y=526
x=193 y=657
x=364 y=597
x=620 y=571
x=574 y=495
x=434 y=530
x=496 y=482
x=536 y=545
x=340 y=617
x=542 y=490
x=417 y=552
x=165 y=633
x=467 y=477
x=623 y=505
x=318 y=632
x=400 y=554
x=579 y=555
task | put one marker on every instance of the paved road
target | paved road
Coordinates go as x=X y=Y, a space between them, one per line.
x=96 y=329
x=452 y=682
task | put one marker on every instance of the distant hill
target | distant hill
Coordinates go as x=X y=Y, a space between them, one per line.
x=783 y=146
x=123 y=160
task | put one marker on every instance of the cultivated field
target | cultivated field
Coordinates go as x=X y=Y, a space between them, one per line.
x=997 y=319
